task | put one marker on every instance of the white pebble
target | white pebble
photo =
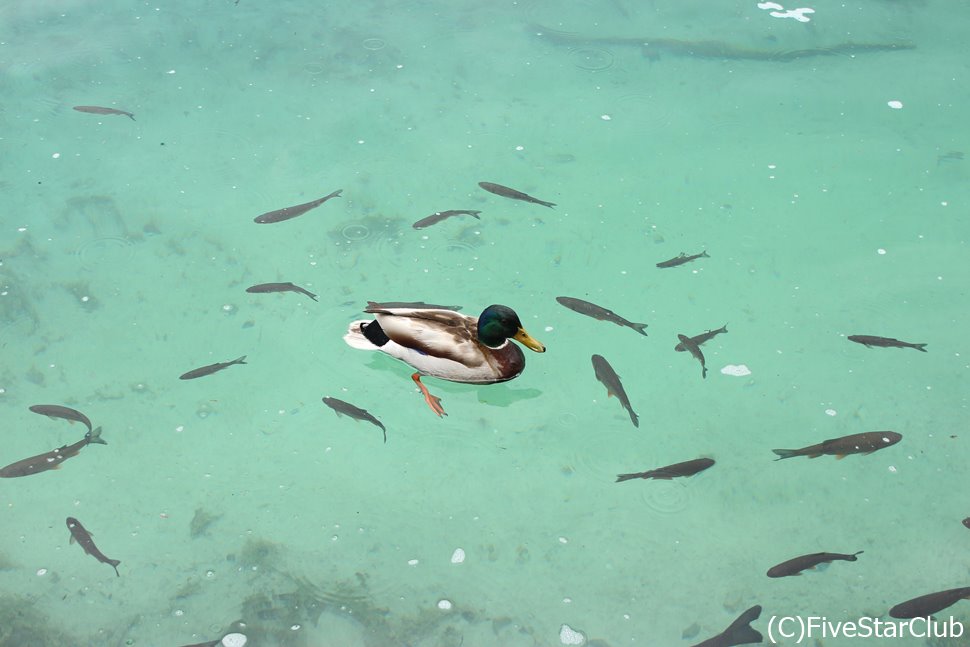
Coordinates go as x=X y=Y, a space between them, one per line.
x=233 y=640
x=880 y=251
x=569 y=636
x=42 y=572
x=605 y=117
x=830 y=412
x=412 y=562
x=444 y=605
x=739 y=370
x=458 y=556
x=895 y=105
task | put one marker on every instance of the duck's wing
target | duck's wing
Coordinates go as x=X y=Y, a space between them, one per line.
x=374 y=307
x=433 y=331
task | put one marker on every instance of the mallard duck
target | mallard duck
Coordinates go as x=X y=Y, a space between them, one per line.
x=440 y=342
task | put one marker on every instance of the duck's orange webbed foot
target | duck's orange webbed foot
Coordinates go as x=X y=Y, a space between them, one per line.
x=433 y=401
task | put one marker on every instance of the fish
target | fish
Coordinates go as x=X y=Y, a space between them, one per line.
x=51 y=460
x=263 y=288
x=438 y=216
x=927 y=605
x=701 y=338
x=966 y=522
x=65 y=413
x=695 y=350
x=864 y=443
x=951 y=156
x=292 y=212
x=653 y=47
x=83 y=538
x=738 y=633
x=682 y=258
x=600 y=313
x=210 y=369
x=341 y=407
x=98 y=110
x=608 y=377
x=796 y=565
x=687 y=468
x=506 y=192
x=884 y=342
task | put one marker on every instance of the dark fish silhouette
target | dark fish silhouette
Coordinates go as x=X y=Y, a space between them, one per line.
x=356 y=413
x=506 y=192
x=608 y=377
x=966 y=522
x=438 y=216
x=682 y=258
x=653 y=47
x=864 y=443
x=739 y=633
x=98 y=110
x=884 y=342
x=701 y=338
x=687 y=468
x=695 y=350
x=83 y=537
x=950 y=156
x=600 y=313
x=65 y=413
x=927 y=605
x=796 y=565
x=292 y=212
x=263 y=288
x=50 y=460
x=210 y=369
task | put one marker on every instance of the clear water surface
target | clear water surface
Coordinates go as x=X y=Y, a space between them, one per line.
x=657 y=128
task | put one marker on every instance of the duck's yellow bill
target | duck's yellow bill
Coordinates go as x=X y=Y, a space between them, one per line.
x=529 y=341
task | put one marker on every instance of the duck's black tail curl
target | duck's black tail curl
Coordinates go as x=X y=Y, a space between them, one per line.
x=374 y=333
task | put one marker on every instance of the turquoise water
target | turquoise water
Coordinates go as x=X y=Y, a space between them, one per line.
x=127 y=247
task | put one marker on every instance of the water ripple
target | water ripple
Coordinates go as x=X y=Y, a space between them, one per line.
x=110 y=250
x=455 y=254
x=592 y=59
x=668 y=497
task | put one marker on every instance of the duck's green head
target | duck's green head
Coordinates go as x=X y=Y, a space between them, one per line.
x=499 y=323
